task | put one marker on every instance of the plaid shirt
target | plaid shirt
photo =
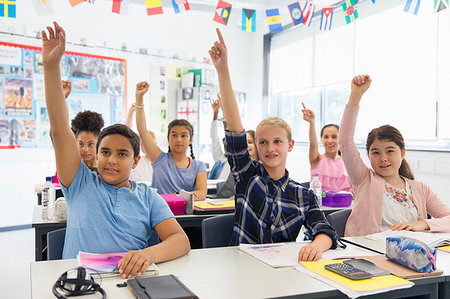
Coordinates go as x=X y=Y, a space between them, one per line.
x=269 y=211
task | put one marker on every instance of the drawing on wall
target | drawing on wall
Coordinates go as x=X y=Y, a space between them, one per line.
x=98 y=84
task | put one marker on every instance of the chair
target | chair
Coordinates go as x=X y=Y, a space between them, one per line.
x=216 y=231
x=55 y=244
x=338 y=220
x=154 y=239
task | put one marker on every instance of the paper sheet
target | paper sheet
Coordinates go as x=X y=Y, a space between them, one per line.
x=424 y=237
x=280 y=255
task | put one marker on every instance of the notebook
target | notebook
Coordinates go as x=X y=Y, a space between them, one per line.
x=158 y=287
x=205 y=207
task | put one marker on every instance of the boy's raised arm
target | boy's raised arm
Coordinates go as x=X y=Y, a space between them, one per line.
x=219 y=57
x=66 y=151
x=152 y=149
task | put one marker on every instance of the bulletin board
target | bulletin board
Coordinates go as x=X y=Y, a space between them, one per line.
x=98 y=84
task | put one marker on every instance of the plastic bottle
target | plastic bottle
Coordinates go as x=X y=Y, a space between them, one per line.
x=316 y=186
x=48 y=199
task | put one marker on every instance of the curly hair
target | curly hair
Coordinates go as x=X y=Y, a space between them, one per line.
x=87 y=121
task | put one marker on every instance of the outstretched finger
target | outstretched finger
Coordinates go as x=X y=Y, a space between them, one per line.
x=44 y=35
x=222 y=41
x=51 y=33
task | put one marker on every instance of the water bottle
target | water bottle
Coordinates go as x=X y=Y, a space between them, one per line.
x=316 y=186
x=48 y=199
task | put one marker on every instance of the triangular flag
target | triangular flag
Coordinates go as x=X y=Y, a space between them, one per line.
x=248 y=20
x=440 y=5
x=180 y=5
x=274 y=20
x=350 y=10
x=120 y=6
x=222 y=13
x=326 y=19
x=91 y=1
x=154 y=7
x=43 y=7
x=76 y=2
x=8 y=8
x=308 y=12
x=296 y=13
x=412 y=6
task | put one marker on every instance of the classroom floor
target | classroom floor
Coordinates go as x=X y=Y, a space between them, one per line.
x=17 y=252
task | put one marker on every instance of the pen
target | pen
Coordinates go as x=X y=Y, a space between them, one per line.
x=121 y=285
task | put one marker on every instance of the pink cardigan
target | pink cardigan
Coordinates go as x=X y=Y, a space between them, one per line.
x=368 y=186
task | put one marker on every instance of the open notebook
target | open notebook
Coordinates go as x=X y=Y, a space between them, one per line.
x=431 y=239
x=107 y=263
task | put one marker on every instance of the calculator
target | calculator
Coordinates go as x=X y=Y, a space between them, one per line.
x=348 y=271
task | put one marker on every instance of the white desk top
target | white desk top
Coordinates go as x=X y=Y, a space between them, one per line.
x=210 y=273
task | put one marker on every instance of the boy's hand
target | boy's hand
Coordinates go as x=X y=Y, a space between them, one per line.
x=412 y=226
x=141 y=89
x=219 y=53
x=135 y=262
x=54 y=45
x=67 y=88
x=309 y=253
x=360 y=84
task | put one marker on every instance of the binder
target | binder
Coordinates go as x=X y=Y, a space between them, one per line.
x=159 y=287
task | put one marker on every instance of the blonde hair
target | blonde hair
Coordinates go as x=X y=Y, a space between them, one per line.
x=276 y=122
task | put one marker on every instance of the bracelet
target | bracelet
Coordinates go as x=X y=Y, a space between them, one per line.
x=139 y=106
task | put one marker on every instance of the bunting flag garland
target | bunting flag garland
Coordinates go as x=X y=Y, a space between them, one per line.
x=222 y=13
x=91 y=1
x=308 y=12
x=8 y=8
x=412 y=6
x=248 y=20
x=373 y=1
x=76 y=2
x=274 y=20
x=180 y=5
x=440 y=5
x=350 y=10
x=120 y=7
x=296 y=13
x=154 y=7
x=326 y=19
x=43 y=7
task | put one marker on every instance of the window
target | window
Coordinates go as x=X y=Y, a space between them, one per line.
x=406 y=56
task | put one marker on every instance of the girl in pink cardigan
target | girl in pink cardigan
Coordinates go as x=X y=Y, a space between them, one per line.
x=329 y=167
x=387 y=196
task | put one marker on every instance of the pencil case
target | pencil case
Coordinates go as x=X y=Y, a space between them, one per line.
x=411 y=253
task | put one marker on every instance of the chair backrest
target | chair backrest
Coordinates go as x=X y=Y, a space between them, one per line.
x=338 y=220
x=55 y=244
x=154 y=239
x=216 y=231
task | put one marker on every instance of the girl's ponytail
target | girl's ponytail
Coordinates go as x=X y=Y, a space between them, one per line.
x=406 y=171
x=192 y=151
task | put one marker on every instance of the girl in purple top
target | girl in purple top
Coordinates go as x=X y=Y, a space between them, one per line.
x=329 y=166
x=174 y=170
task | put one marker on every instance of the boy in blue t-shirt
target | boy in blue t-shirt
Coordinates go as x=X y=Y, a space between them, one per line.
x=107 y=213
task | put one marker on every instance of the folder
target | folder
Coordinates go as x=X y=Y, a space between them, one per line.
x=159 y=287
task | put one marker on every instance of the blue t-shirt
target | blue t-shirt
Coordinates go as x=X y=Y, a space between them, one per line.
x=169 y=178
x=105 y=219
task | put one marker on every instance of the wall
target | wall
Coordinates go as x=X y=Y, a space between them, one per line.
x=187 y=36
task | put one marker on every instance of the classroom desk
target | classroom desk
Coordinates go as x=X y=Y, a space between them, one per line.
x=224 y=272
x=442 y=260
x=41 y=228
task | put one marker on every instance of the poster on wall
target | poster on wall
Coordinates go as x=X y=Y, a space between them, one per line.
x=98 y=84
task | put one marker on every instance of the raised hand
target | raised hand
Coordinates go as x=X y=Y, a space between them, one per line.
x=215 y=106
x=360 y=84
x=219 y=52
x=132 y=108
x=141 y=89
x=308 y=115
x=53 y=45
x=67 y=88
